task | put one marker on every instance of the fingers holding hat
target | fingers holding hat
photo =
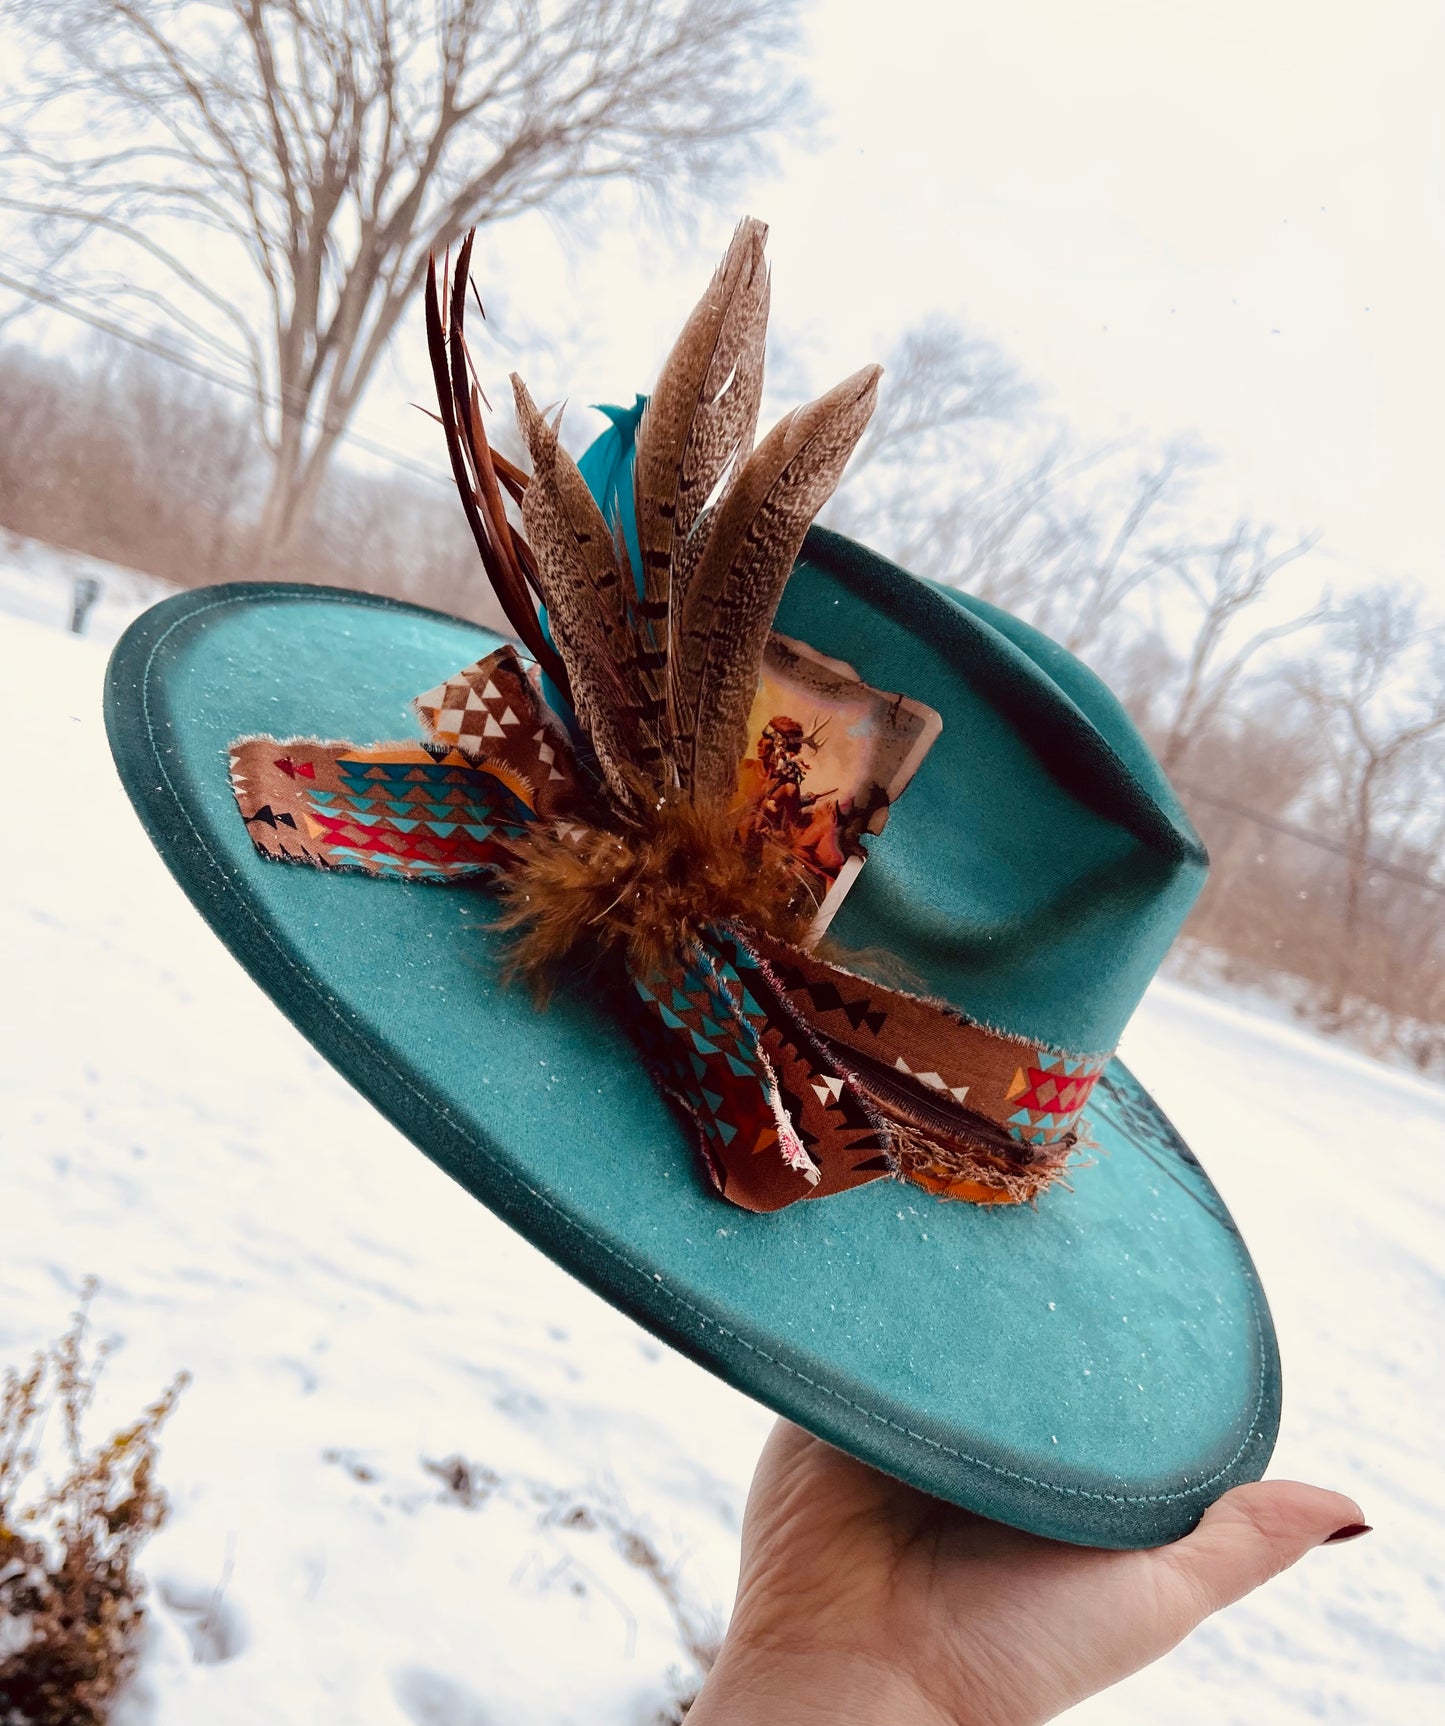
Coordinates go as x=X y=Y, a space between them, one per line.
x=1250 y=1535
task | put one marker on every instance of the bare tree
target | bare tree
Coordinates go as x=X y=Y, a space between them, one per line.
x=319 y=148
x=942 y=382
x=112 y=453
x=1113 y=552
x=1379 y=703
x=1235 y=575
x=914 y=485
x=964 y=477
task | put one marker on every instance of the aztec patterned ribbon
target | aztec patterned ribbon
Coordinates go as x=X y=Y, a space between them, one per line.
x=802 y=1078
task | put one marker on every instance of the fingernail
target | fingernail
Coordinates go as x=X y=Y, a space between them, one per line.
x=1351 y=1531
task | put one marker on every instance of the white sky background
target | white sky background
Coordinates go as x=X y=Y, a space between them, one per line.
x=1224 y=215
x=1217 y=216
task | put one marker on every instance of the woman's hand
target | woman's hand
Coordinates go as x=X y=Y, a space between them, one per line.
x=864 y=1603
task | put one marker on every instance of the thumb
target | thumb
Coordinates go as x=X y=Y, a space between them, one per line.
x=1245 y=1538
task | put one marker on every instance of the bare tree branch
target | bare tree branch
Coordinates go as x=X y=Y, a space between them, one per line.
x=1235 y=575
x=331 y=145
x=1378 y=703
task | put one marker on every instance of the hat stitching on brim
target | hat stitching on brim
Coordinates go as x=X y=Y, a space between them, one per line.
x=1200 y=1487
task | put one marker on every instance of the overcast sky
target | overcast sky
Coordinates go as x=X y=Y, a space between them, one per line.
x=1226 y=215
x=1219 y=216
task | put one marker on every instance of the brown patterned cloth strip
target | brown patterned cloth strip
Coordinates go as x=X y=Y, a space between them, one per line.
x=802 y=1078
x=1004 y=1111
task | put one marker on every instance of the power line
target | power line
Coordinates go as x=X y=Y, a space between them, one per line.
x=192 y=364
x=197 y=368
x=1377 y=865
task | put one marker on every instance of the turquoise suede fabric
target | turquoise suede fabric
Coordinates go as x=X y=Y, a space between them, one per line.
x=1098 y=1369
x=1041 y=864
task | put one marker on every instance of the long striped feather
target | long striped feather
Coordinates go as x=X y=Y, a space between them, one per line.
x=752 y=537
x=699 y=422
x=587 y=610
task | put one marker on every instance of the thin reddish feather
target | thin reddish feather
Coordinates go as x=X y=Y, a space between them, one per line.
x=506 y=559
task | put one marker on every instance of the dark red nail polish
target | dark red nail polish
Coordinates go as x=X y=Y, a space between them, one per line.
x=1351 y=1531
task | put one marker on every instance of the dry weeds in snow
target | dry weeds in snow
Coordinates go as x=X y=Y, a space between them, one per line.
x=71 y=1601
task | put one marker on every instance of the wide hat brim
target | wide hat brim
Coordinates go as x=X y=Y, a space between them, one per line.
x=1098 y=1369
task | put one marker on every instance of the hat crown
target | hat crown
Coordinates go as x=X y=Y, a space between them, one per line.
x=1041 y=864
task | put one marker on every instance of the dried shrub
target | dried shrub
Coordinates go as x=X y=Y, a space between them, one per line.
x=116 y=455
x=677 y=1710
x=71 y=1601
x=597 y=1510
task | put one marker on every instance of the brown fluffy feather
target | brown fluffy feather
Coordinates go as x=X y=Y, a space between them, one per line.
x=644 y=890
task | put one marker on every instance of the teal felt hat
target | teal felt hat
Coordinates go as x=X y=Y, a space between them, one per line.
x=1097 y=1365
x=1098 y=1368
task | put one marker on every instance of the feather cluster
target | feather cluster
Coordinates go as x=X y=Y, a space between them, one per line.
x=646 y=888
x=660 y=664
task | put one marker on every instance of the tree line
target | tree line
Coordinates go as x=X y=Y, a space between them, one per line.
x=265 y=178
x=1309 y=751
x=1307 y=740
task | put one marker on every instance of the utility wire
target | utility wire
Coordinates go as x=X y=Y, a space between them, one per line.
x=191 y=363
x=1376 y=865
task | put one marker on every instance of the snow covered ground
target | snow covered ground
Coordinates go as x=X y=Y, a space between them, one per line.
x=42 y=582
x=351 y=1320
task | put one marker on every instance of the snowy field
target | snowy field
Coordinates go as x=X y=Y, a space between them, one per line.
x=351 y=1319
x=41 y=582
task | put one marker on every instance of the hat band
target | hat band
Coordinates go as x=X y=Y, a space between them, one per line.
x=801 y=1077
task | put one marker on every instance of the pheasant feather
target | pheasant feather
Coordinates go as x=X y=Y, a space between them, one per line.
x=581 y=585
x=477 y=469
x=698 y=424
x=662 y=671
x=721 y=619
